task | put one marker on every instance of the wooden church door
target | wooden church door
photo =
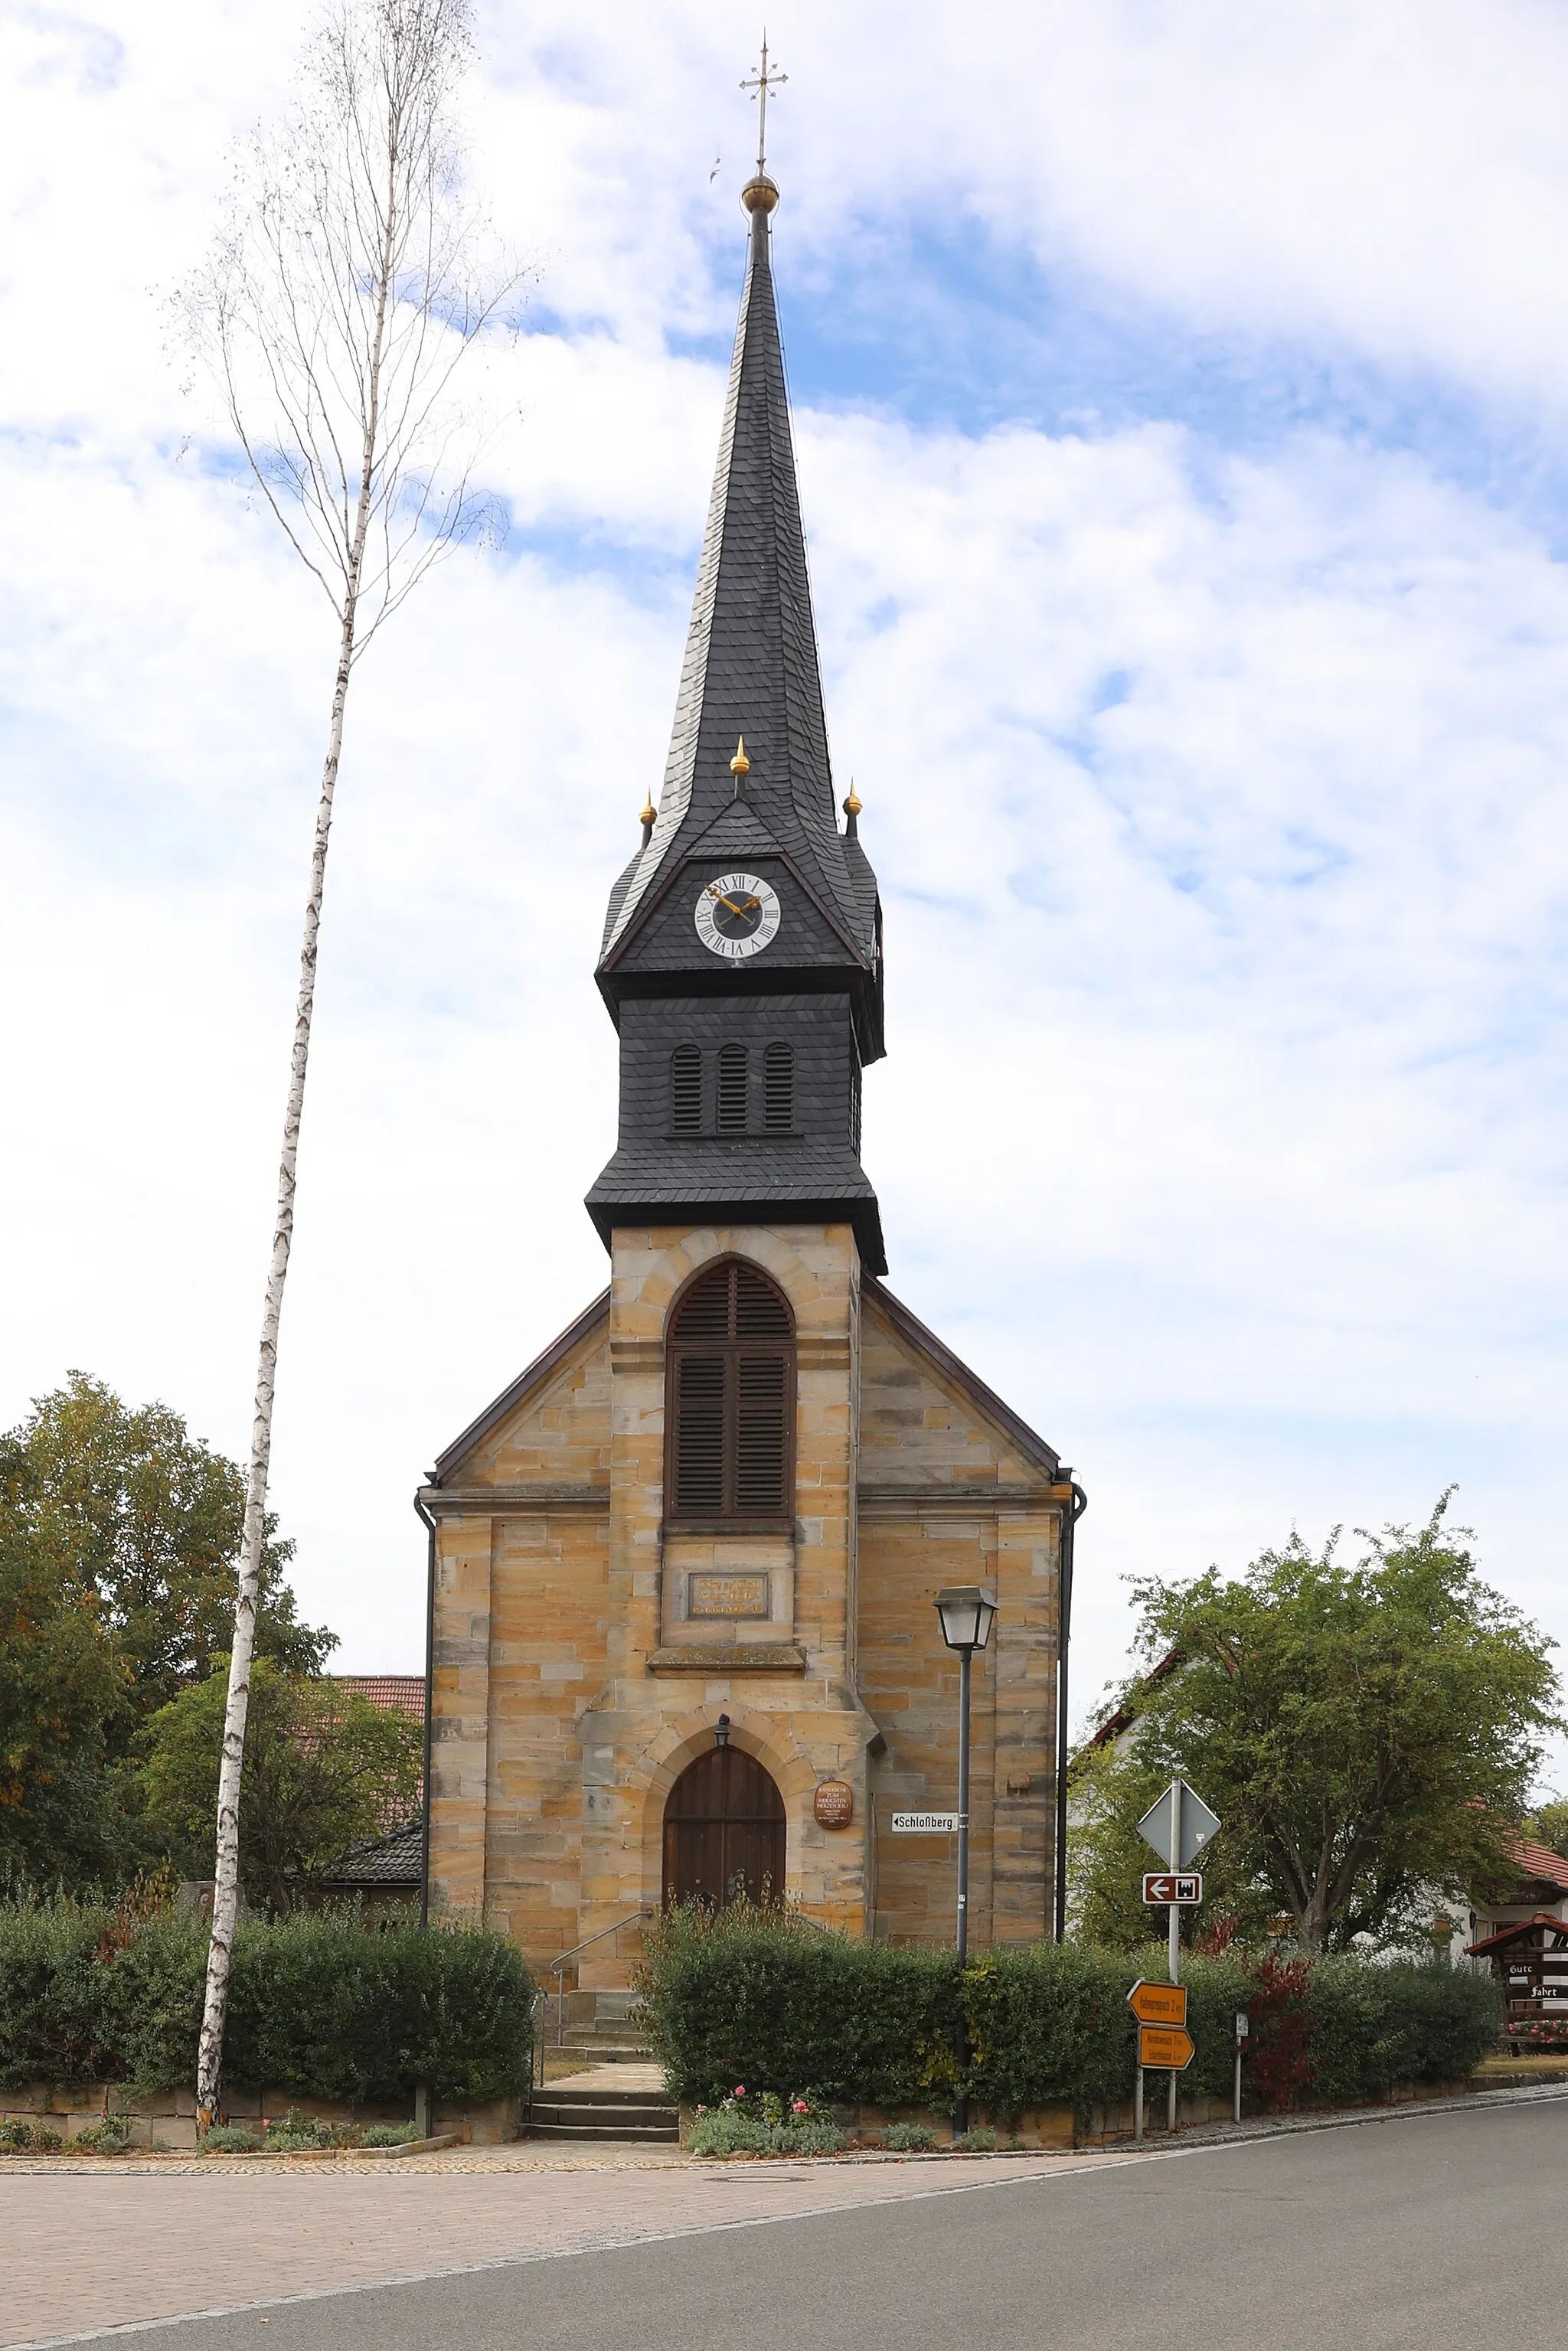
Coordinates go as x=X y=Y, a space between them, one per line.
x=724 y=1831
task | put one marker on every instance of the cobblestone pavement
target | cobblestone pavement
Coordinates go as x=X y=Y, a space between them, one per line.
x=84 y=2250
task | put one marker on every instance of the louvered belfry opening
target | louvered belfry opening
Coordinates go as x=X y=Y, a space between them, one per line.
x=732 y=1090
x=724 y=1831
x=730 y=1401
x=779 y=1089
x=686 y=1090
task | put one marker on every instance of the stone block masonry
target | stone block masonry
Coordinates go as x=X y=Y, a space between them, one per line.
x=583 y=1656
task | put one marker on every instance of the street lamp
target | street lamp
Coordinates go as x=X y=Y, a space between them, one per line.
x=967 y=1614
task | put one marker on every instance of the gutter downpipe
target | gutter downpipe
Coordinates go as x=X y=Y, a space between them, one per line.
x=429 y=1694
x=1065 y=1633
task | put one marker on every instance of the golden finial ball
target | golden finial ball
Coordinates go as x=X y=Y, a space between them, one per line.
x=740 y=764
x=853 y=804
x=760 y=195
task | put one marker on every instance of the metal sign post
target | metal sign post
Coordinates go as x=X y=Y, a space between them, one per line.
x=1243 y=2026
x=1178 y=1826
x=1163 y=2037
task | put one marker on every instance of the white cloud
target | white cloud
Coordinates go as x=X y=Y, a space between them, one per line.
x=1217 y=797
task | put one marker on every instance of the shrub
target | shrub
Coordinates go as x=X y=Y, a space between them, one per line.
x=320 y=2006
x=982 y=2140
x=294 y=2133
x=111 y=2137
x=764 y=2124
x=227 y=2138
x=1370 y=2027
x=762 y=1998
x=390 y=2135
x=47 y=2142
x=16 y=2135
x=908 y=2138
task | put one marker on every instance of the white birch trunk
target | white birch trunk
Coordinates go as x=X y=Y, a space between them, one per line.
x=225 y=1883
x=225 y=1889
x=345 y=287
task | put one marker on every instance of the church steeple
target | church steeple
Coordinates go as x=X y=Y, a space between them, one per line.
x=751 y=666
x=748 y=791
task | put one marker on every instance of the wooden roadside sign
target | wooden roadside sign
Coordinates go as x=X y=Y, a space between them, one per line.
x=1157 y=2003
x=1164 y=2045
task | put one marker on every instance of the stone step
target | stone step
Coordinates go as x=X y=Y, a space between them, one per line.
x=659 y=2124
x=593 y=2110
x=584 y=2133
x=601 y=2053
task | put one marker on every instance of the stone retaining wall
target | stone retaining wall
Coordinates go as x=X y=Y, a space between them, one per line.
x=169 y=2117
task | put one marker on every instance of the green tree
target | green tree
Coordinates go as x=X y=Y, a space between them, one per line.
x=63 y=1695
x=1110 y=1790
x=1367 y=1733
x=325 y=1770
x=1549 y=1822
x=122 y=1507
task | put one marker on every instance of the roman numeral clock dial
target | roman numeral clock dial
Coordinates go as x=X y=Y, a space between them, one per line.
x=736 y=915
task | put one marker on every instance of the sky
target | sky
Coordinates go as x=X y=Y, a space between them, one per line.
x=1180 y=397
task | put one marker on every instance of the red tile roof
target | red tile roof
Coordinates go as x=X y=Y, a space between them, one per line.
x=398 y=1693
x=1538 y=1860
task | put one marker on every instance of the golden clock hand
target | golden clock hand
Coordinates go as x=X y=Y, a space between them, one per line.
x=743 y=909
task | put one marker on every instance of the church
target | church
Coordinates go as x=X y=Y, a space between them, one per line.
x=682 y=1641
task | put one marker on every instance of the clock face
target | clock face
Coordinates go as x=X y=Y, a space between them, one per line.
x=737 y=914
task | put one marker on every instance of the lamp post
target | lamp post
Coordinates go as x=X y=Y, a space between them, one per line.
x=967 y=1614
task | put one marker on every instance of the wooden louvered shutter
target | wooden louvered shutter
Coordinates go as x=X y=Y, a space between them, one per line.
x=779 y=1089
x=686 y=1090
x=731 y=1400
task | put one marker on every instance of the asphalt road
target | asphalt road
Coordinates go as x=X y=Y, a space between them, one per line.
x=1438 y=2229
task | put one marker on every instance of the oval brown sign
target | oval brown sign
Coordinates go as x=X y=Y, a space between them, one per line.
x=835 y=1805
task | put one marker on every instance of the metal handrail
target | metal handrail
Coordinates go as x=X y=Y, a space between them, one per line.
x=558 y=1966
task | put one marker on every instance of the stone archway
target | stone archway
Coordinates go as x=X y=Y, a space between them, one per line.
x=724 y=1830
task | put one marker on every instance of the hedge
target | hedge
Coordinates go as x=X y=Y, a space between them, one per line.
x=319 y=2006
x=766 y=2000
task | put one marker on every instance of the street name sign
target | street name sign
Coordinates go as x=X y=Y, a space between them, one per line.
x=1178 y=1826
x=1165 y=2047
x=925 y=1824
x=1173 y=1886
x=1159 y=2004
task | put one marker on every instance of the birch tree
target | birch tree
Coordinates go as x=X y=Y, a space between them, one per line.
x=350 y=280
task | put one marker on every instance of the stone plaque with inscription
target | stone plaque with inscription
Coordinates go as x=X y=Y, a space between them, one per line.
x=711 y=1595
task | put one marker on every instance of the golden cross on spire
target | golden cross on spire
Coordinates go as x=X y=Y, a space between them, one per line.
x=759 y=84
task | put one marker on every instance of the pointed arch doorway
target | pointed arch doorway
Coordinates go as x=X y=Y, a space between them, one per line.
x=724 y=1831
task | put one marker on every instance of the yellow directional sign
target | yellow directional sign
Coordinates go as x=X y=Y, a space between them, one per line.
x=1164 y=2045
x=1157 y=2003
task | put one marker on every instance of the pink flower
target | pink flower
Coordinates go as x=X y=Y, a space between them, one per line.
x=799 y=2107
x=740 y=2089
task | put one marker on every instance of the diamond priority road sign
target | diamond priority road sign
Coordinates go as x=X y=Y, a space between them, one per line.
x=1172 y=1886
x=1178 y=1826
x=1157 y=2003
x=1165 y=2046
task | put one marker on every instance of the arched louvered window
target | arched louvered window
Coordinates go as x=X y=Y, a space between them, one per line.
x=779 y=1089
x=686 y=1090
x=732 y=1090
x=730 y=1400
